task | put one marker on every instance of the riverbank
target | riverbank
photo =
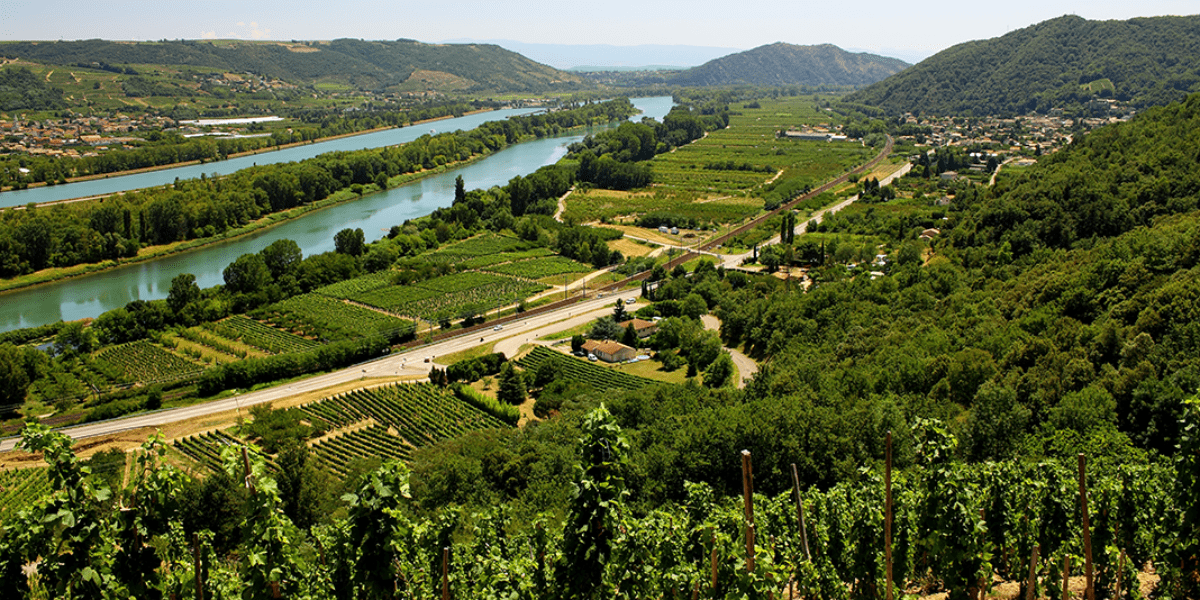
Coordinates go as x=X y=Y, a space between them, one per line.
x=83 y=178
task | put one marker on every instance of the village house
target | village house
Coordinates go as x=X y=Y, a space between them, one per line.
x=643 y=328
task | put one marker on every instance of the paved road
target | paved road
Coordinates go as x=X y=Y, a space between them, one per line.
x=410 y=362
x=745 y=365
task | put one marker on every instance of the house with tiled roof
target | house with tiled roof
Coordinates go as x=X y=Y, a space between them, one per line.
x=609 y=351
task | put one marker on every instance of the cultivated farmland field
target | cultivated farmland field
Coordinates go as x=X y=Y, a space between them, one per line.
x=20 y=488
x=450 y=296
x=147 y=363
x=260 y=335
x=322 y=317
x=418 y=413
x=481 y=245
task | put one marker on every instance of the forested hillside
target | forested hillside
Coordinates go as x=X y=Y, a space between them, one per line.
x=22 y=90
x=1060 y=63
x=364 y=64
x=788 y=64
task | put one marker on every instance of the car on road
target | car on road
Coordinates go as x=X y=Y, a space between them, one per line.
x=498 y=328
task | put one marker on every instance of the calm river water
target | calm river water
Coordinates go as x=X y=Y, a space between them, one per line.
x=88 y=296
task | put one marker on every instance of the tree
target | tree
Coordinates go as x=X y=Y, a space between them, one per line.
x=512 y=385
x=577 y=342
x=720 y=372
x=14 y=380
x=630 y=337
x=771 y=257
x=349 y=241
x=247 y=275
x=184 y=291
x=460 y=190
x=619 y=314
x=694 y=306
x=281 y=257
x=74 y=338
x=605 y=328
x=302 y=485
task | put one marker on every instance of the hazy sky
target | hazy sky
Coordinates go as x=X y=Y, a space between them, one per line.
x=918 y=28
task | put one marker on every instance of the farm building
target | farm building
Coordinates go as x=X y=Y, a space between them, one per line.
x=608 y=351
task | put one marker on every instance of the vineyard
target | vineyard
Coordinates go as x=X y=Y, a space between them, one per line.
x=419 y=413
x=21 y=488
x=487 y=260
x=539 y=268
x=488 y=244
x=576 y=370
x=337 y=453
x=359 y=285
x=264 y=337
x=451 y=295
x=146 y=362
x=321 y=317
x=205 y=448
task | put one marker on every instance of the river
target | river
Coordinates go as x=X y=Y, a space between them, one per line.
x=90 y=295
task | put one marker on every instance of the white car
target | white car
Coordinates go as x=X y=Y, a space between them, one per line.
x=498 y=328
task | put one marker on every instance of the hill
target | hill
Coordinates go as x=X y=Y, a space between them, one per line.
x=22 y=90
x=1060 y=63
x=788 y=64
x=400 y=65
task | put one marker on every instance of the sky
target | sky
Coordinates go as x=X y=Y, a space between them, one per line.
x=907 y=30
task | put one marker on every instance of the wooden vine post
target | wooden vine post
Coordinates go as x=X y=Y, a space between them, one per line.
x=713 y=559
x=1066 y=577
x=1089 y=591
x=748 y=495
x=446 y=573
x=1120 y=572
x=198 y=566
x=1030 y=590
x=800 y=513
x=887 y=515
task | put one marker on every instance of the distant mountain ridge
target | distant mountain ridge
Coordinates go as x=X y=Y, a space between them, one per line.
x=607 y=56
x=789 y=64
x=1058 y=63
x=365 y=64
